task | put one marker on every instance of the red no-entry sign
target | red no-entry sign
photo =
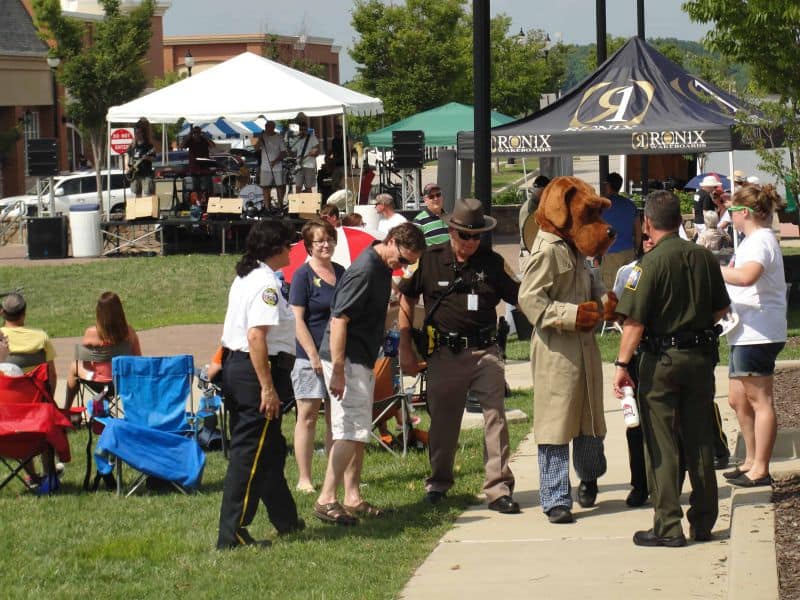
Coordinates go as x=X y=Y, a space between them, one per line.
x=120 y=140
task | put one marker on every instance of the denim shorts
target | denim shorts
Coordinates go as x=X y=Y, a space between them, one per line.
x=754 y=360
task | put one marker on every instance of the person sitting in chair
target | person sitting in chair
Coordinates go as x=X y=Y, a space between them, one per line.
x=110 y=329
x=25 y=343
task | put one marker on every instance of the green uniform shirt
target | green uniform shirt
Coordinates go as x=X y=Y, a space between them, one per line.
x=676 y=287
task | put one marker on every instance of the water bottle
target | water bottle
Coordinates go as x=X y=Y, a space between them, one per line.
x=629 y=410
x=392 y=342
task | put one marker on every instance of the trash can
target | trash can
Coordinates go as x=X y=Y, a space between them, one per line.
x=84 y=228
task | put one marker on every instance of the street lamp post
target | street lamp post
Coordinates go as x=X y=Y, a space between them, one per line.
x=53 y=62
x=188 y=60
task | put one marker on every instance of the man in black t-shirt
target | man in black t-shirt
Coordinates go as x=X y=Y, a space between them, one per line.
x=348 y=351
x=139 y=168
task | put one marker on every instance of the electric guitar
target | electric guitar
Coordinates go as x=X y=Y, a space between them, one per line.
x=133 y=169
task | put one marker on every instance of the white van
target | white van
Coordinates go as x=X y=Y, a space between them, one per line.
x=74 y=189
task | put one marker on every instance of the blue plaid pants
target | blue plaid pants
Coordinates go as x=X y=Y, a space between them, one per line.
x=588 y=458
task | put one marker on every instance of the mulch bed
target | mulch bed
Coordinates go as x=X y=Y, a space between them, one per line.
x=787 y=491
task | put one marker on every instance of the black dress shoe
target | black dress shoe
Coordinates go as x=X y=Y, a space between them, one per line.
x=560 y=514
x=298 y=526
x=505 y=505
x=699 y=534
x=636 y=497
x=434 y=497
x=721 y=462
x=587 y=493
x=243 y=538
x=650 y=539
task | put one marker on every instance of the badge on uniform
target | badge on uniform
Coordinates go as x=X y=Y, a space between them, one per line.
x=633 y=278
x=270 y=297
x=317 y=281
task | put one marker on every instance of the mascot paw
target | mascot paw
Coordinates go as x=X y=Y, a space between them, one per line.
x=588 y=316
x=610 y=306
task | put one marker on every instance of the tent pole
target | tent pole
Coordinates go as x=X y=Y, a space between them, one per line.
x=346 y=160
x=623 y=170
x=525 y=179
x=733 y=188
x=107 y=205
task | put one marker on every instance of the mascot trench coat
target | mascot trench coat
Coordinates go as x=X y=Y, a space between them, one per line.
x=566 y=364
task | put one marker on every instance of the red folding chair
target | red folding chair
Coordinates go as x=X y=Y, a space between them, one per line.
x=30 y=423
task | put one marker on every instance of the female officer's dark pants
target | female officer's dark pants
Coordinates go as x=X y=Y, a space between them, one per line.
x=257 y=455
x=676 y=388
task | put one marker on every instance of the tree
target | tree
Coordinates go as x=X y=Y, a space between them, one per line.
x=102 y=73
x=764 y=34
x=418 y=55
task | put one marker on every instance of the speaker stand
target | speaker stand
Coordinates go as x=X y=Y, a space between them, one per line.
x=410 y=181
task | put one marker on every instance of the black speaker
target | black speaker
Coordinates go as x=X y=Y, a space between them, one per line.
x=47 y=237
x=408 y=148
x=42 y=157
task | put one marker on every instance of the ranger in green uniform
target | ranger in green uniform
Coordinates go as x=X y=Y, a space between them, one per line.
x=671 y=301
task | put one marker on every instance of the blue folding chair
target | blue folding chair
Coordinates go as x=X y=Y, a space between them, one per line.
x=153 y=436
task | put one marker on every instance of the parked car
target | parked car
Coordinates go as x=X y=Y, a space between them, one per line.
x=73 y=189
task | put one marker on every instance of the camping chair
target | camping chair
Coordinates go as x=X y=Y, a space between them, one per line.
x=619 y=284
x=97 y=354
x=30 y=422
x=154 y=436
x=389 y=397
x=211 y=413
x=26 y=361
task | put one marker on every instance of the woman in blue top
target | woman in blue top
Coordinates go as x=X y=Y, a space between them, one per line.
x=310 y=298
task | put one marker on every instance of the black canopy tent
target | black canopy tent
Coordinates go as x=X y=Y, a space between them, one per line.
x=636 y=102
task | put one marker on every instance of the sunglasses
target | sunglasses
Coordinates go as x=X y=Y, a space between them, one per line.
x=433 y=195
x=468 y=236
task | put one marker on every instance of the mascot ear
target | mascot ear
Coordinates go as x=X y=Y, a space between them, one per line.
x=555 y=201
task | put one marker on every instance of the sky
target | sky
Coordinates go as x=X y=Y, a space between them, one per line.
x=573 y=19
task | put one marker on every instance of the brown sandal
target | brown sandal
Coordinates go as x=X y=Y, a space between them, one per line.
x=364 y=509
x=333 y=513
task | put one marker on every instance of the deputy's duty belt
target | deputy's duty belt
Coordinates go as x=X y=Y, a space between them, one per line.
x=456 y=342
x=680 y=340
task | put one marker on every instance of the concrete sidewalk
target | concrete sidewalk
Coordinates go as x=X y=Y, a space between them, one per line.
x=487 y=554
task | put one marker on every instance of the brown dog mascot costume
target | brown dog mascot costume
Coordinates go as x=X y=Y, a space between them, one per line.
x=564 y=302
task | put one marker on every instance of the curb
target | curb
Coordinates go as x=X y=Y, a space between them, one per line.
x=752 y=565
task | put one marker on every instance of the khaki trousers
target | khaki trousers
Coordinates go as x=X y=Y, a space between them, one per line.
x=450 y=377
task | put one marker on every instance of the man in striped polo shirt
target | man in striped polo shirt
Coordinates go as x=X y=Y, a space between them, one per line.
x=429 y=218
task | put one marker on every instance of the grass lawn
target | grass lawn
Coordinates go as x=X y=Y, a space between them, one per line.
x=156 y=291
x=78 y=544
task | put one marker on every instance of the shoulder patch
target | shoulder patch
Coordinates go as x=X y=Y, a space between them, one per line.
x=633 y=278
x=270 y=296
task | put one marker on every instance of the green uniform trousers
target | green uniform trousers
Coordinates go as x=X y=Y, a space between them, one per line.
x=676 y=389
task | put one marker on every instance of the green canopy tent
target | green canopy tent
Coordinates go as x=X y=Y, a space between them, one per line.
x=441 y=125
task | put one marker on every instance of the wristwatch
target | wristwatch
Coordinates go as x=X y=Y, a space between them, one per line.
x=619 y=363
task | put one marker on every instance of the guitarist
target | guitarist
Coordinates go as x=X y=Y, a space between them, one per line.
x=306 y=148
x=199 y=146
x=139 y=168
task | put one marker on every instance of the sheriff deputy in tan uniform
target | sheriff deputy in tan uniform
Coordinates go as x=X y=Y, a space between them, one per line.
x=471 y=281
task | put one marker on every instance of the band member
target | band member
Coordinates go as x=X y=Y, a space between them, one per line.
x=305 y=148
x=199 y=146
x=139 y=160
x=273 y=150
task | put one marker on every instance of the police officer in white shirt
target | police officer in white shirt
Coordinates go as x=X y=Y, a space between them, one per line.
x=259 y=344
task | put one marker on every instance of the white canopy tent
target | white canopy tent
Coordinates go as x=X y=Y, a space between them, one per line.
x=245 y=88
